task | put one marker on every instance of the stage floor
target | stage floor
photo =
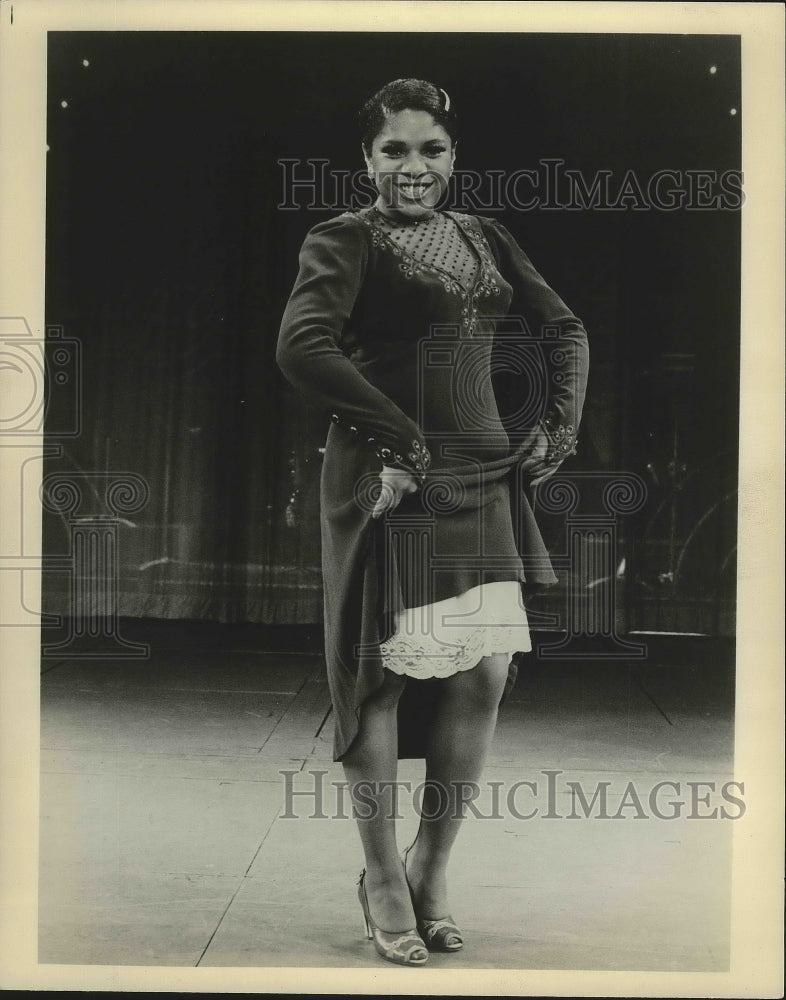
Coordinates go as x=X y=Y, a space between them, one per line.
x=165 y=839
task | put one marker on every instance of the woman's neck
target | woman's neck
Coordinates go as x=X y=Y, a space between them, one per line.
x=401 y=218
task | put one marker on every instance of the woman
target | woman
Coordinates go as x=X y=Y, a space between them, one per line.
x=428 y=536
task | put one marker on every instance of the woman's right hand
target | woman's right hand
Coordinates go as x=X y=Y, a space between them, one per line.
x=396 y=484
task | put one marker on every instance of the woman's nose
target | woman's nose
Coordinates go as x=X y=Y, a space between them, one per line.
x=413 y=164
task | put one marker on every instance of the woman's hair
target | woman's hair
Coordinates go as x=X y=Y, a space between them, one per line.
x=398 y=95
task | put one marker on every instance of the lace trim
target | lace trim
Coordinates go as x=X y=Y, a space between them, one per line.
x=423 y=656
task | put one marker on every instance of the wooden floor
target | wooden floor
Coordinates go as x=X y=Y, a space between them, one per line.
x=165 y=840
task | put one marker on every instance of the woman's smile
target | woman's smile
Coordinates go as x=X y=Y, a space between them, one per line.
x=414 y=190
x=411 y=160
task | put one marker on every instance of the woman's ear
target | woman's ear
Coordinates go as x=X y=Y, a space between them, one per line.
x=453 y=155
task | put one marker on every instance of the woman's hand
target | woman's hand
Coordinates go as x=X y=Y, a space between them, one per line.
x=396 y=483
x=544 y=473
x=537 y=444
x=535 y=463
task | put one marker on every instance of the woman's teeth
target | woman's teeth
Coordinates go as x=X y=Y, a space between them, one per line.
x=414 y=188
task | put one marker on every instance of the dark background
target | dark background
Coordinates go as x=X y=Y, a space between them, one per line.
x=169 y=261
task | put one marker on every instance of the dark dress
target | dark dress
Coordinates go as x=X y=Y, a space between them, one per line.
x=444 y=374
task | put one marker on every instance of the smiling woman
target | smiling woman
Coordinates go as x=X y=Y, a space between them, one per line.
x=411 y=157
x=428 y=533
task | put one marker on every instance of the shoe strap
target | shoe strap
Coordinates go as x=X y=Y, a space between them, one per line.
x=433 y=927
x=394 y=947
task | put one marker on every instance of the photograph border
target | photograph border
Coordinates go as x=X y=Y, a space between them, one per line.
x=757 y=889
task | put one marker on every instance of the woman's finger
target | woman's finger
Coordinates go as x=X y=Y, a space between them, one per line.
x=394 y=484
x=383 y=500
x=544 y=474
x=534 y=463
x=531 y=464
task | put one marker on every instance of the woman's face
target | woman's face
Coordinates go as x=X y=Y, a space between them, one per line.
x=411 y=159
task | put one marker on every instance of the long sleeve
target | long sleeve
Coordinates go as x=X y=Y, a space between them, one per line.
x=562 y=334
x=333 y=261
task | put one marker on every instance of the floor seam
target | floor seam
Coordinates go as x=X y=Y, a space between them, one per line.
x=640 y=683
x=237 y=889
x=306 y=681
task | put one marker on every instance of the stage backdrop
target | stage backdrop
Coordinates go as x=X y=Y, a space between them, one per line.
x=169 y=261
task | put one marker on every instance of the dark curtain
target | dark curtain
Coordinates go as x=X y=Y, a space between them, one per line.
x=169 y=262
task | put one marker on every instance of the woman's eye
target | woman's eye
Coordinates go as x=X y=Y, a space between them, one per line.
x=396 y=153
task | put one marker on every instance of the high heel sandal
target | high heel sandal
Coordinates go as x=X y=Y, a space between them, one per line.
x=441 y=934
x=399 y=947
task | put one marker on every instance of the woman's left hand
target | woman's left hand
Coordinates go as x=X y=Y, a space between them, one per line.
x=537 y=444
x=544 y=474
x=535 y=463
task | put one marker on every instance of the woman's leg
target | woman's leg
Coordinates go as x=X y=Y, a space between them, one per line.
x=458 y=745
x=371 y=767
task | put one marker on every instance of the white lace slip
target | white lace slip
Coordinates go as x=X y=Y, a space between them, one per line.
x=443 y=638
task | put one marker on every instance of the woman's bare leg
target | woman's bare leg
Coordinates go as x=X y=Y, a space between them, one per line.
x=458 y=745
x=371 y=763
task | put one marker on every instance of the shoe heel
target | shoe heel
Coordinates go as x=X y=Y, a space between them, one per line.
x=439 y=935
x=361 y=897
x=388 y=944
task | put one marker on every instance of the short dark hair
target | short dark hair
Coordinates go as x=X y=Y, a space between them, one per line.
x=398 y=95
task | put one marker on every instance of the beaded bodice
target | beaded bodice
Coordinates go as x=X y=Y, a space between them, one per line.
x=446 y=246
x=435 y=242
x=393 y=325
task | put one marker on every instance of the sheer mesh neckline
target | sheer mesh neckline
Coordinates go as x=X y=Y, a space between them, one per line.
x=435 y=242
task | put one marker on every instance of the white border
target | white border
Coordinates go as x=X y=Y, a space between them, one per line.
x=757 y=932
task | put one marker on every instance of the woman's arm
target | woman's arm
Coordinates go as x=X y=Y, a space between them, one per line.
x=333 y=260
x=560 y=337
